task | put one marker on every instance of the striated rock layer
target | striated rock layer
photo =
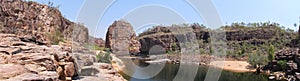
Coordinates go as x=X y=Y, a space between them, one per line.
x=27 y=18
x=23 y=59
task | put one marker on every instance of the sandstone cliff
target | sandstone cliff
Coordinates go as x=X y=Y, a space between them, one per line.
x=162 y=35
x=121 y=38
x=27 y=18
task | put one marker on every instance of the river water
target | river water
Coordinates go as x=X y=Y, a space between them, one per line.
x=170 y=70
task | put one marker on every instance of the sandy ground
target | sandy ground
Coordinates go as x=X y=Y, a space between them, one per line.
x=236 y=66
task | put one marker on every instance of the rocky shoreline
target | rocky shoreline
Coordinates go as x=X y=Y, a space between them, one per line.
x=23 y=59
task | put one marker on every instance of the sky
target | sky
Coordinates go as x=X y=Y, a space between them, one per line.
x=92 y=15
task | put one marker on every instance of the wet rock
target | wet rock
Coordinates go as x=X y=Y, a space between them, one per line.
x=121 y=38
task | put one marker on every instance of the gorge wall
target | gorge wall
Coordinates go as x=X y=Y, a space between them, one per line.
x=163 y=36
x=27 y=18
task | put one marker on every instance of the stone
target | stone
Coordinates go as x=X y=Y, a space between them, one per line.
x=10 y=70
x=121 y=38
x=69 y=69
x=32 y=77
x=33 y=68
x=91 y=78
x=38 y=23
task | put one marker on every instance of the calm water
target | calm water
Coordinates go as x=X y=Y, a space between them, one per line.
x=170 y=70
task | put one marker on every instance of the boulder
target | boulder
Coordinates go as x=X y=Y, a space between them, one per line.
x=121 y=38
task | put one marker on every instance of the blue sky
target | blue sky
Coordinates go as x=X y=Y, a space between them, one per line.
x=285 y=12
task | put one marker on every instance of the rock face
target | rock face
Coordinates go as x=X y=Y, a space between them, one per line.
x=292 y=58
x=97 y=41
x=20 y=55
x=165 y=40
x=121 y=38
x=162 y=35
x=27 y=18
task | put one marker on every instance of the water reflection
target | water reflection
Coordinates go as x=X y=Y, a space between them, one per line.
x=169 y=72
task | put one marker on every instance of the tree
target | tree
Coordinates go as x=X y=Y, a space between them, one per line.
x=253 y=59
x=282 y=64
x=256 y=59
x=271 y=52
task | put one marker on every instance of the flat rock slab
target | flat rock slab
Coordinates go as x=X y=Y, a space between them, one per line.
x=32 y=77
x=11 y=70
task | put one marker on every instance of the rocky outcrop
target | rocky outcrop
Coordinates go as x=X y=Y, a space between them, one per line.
x=291 y=58
x=102 y=71
x=164 y=36
x=23 y=59
x=27 y=18
x=97 y=41
x=20 y=56
x=121 y=38
x=164 y=40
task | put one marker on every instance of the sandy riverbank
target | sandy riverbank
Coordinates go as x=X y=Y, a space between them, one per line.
x=235 y=66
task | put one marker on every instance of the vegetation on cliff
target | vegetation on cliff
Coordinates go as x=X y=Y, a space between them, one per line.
x=255 y=42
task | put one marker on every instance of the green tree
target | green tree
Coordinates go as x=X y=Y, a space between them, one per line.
x=256 y=59
x=282 y=64
x=271 y=52
x=104 y=57
x=253 y=59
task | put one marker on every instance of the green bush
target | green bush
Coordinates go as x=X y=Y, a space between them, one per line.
x=202 y=51
x=211 y=50
x=104 y=57
x=174 y=46
x=256 y=59
x=282 y=64
x=271 y=52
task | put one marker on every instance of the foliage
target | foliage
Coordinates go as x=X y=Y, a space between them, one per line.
x=282 y=64
x=104 y=57
x=174 y=46
x=55 y=37
x=172 y=52
x=271 y=52
x=256 y=59
x=202 y=51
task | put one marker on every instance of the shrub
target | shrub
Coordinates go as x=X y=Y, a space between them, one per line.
x=202 y=51
x=255 y=59
x=55 y=37
x=211 y=50
x=104 y=57
x=174 y=46
x=282 y=64
x=271 y=52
